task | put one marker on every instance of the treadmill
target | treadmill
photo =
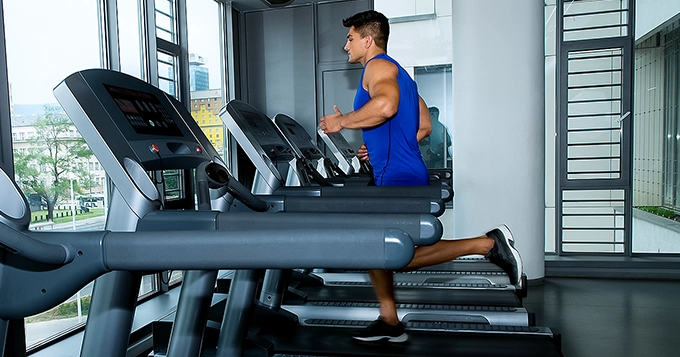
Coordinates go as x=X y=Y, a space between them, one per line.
x=479 y=275
x=299 y=143
x=134 y=128
x=345 y=158
x=343 y=153
x=258 y=135
x=308 y=308
x=306 y=149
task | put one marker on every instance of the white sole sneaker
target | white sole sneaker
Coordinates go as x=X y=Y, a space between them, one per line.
x=510 y=240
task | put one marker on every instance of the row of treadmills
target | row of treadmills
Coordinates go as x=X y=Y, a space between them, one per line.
x=276 y=269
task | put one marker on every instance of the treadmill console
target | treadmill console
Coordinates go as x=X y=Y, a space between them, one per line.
x=132 y=119
x=298 y=137
x=144 y=112
x=342 y=151
x=260 y=129
x=261 y=140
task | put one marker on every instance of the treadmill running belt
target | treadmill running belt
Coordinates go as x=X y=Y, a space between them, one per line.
x=315 y=341
x=412 y=295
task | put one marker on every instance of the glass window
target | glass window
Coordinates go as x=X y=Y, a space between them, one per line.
x=165 y=20
x=656 y=148
x=149 y=285
x=434 y=85
x=44 y=46
x=172 y=183
x=168 y=73
x=203 y=29
x=129 y=30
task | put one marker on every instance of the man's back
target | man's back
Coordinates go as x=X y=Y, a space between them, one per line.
x=392 y=145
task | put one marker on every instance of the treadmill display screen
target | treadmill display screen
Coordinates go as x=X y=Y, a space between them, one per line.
x=144 y=112
x=264 y=129
x=299 y=140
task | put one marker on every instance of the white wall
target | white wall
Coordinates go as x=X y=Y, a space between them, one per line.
x=655 y=234
x=651 y=13
x=499 y=120
x=422 y=42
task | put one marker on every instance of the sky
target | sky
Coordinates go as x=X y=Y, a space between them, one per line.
x=48 y=40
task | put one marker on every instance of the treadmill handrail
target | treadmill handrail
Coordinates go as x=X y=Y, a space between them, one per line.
x=43 y=286
x=32 y=249
x=251 y=248
x=424 y=229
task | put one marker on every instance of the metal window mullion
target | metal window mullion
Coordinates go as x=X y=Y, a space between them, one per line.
x=672 y=98
x=613 y=99
x=169 y=16
x=589 y=57
x=601 y=12
x=592 y=185
x=227 y=66
x=162 y=61
x=158 y=28
x=627 y=106
x=184 y=91
x=168 y=47
x=597 y=71
x=576 y=116
x=674 y=123
x=593 y=86
x=149 y=43
x=590 y=173
x=594 y=158
x=599 y=143
x=591 y=129
x=561 y=123
x=601 y=114
x=614 y=214
x=109 y=45
x=588 y=28
x=583 y=242
x=593 y=44
x=6 y=154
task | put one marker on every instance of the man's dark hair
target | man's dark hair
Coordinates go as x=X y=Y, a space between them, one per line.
x=371 y=23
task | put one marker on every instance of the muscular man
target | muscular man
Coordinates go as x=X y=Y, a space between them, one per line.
x=393 y=119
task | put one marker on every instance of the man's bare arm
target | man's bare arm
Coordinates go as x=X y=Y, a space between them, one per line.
x=380 y=79
x=425 y=127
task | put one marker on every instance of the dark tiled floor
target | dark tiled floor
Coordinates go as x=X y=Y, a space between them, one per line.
x=610 y=317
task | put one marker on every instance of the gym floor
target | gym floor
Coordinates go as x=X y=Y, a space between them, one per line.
x=596 y=317
x=610 y=317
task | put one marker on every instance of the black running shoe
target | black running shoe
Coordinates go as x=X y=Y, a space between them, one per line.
x=504 y=253
x=379 y=330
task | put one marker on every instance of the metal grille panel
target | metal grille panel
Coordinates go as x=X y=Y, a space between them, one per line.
x=585 y=20
x=594 y=114
x=594 y=126
x=593 y=220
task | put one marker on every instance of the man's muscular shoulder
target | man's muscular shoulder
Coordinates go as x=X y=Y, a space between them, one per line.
x=379 y=69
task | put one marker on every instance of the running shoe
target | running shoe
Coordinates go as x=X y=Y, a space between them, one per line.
x=504 y=253
x=380 y=330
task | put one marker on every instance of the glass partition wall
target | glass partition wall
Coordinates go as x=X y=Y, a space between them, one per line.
x=64 y=183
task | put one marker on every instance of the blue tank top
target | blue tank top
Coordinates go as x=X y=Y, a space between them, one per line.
x=393 y=145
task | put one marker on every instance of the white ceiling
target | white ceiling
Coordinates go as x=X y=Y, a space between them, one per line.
x=250 y=5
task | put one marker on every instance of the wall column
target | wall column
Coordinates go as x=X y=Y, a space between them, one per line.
x=498 y=122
